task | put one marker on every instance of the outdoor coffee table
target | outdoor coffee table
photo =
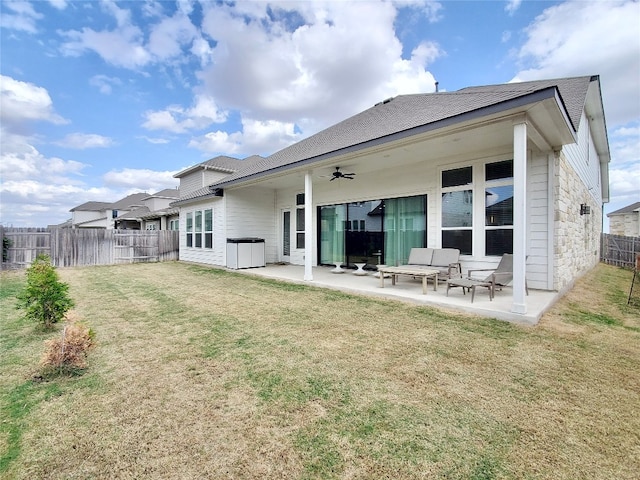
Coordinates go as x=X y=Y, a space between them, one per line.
x=413 y=272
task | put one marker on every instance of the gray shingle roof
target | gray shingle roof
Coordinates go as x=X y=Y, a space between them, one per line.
x=628 y=209
x=129 y=201
x=167 y=192
x=406 y=112
x=133 y=214
x=248 y=163
x=222 y=163
x=92 y=207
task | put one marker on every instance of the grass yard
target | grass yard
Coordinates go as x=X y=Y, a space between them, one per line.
x=203 y=373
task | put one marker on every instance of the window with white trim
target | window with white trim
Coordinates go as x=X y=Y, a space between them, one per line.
x=498 y=208
x=189 y=229
x=200 y=228
x=208 y=228
x=300 y=220
x=457 y=209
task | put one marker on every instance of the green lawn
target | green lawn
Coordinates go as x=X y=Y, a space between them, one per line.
x=203 y=373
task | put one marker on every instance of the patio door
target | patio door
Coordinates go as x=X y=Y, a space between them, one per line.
x=372 y=232
x=405 y=227
x=333 y=221
x=285 y=236
x=364 y=234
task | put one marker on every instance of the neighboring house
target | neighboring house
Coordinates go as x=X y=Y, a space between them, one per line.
x=128 y=212
x=625 y=221
x=153 y=213
x=489 y=170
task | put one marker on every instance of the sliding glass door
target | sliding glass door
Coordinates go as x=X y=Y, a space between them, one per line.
x=372 y=232
x=364 y=235
x=333 y=220
x=405 y=227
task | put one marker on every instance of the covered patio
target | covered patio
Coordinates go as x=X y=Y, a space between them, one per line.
x=410 y=290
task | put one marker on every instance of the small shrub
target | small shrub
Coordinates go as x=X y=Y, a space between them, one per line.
x=44 y=298
x=68 y=352
x=6 y=245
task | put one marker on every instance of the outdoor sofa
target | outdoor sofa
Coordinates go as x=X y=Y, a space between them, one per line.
x=445 y=260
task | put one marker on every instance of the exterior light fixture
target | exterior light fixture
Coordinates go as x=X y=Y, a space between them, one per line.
x=585 y=209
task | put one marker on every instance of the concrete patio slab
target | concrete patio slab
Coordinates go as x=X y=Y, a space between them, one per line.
x=410 y=290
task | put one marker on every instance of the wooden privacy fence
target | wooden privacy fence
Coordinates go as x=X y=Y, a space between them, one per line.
x=619 y=250
x=74 y=247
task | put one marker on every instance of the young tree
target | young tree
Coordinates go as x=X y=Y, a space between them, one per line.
x=45 y=298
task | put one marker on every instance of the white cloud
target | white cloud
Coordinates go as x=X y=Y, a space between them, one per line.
x=177 y=119
x=624 y=171
x=36 y=190
x=104 y=83
x=586 y=38
x=140 y=179
x=59 y=4
x=281 y=66
x=125 y=45
x=21 y=161
x=122 y=47
x=429 y=8
x=264 y=137
x=155 y=141
x=80 y=141
x=168 y=37
x=22 y=101
x=22 y=18
x=512 y=6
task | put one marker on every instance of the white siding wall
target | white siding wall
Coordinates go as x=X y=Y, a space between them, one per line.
x=250 y=213
x=191 y=182
x=158 y=203
x=583 y=158
x=215 y=255
x=538 y=200
x=211 y=176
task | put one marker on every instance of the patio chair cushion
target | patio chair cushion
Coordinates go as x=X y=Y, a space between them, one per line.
x=420 y=256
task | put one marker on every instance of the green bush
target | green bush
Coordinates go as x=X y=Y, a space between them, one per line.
x=6 y=245
x=45 y=298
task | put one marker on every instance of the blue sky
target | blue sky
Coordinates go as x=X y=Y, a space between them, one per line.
x=101 y=99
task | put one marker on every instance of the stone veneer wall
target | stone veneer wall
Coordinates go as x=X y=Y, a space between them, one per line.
x=627 y=224
x=577 y=237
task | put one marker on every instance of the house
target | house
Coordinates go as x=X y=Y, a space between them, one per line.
x=153 y=213
x=625 y=221
x=104 y=214
x=495 y=169
x=136 y=211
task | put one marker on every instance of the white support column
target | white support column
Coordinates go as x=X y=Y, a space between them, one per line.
x=551 y=217
x=519 y=214
x=308 y=227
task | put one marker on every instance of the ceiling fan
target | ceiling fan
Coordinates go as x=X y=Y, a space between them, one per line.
x=339 y=174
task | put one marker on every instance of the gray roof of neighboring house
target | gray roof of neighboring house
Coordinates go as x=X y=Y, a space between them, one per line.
x=239 y=166
x=166 y=212
x=634 y=207
x=221 y=163
x=129 y=201
x=133 y=214
x=167 y=193
x=92 y=207
x=406 y=112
